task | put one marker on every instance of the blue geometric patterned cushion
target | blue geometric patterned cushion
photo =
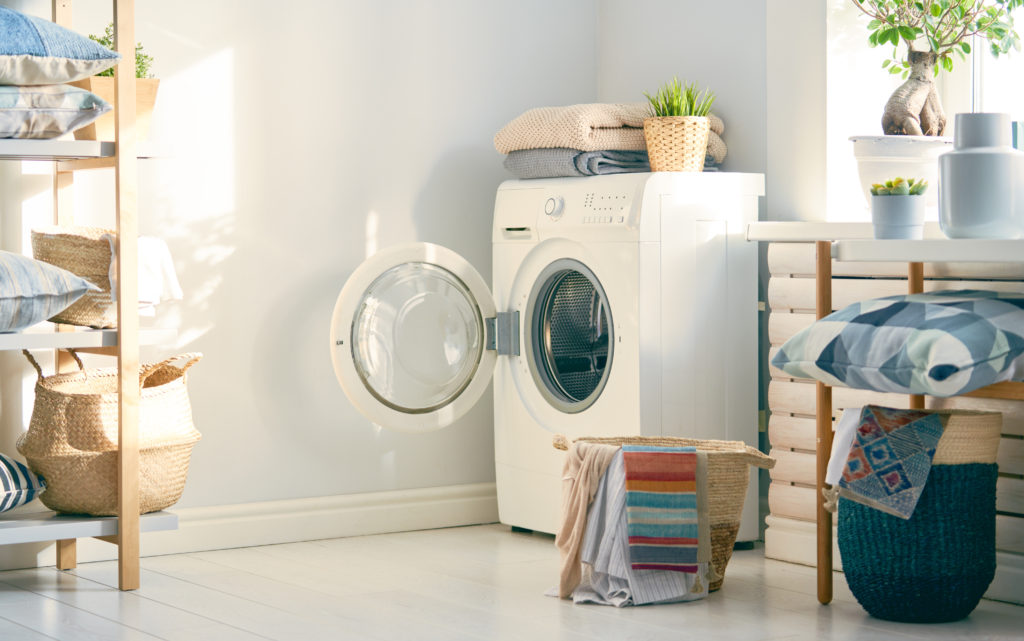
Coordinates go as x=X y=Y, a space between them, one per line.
x=32 y=291
x=939 y=343
x=18 y=485
x=38 y=52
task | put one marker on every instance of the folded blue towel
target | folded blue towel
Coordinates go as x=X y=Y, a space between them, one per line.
x=556 y=162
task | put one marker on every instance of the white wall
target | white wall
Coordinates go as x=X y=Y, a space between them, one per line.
x=644 y=43
x=297 y=141
x=301 y=137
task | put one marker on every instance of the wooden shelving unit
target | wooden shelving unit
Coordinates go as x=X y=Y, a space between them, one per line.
x=853 y=242
x=70 y=156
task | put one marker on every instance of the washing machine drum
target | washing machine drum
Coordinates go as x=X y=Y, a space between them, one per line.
x=570 y=336
x=415 y=336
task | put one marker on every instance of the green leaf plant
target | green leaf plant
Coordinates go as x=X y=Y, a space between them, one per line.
x=900 y=187
x=943 y=27
x=934 y=33
x=677 y=99
x=143 y=62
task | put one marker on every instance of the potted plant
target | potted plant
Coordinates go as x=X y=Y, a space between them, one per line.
x=897 y=208
x=677 y=130
x=102 y=85
x=933 y=32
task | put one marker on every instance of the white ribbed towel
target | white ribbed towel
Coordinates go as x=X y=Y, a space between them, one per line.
x=590 y=127
x=158 y=282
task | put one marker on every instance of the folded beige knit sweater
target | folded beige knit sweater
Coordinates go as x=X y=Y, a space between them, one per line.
x=590 y=127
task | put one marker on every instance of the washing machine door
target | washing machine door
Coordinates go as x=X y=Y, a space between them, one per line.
x=409 y=337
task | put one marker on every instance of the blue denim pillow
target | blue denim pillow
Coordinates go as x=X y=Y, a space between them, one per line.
x=47 y=111
x=939 y=344
x=34 y=51
x=32 y=291
x=18 y=485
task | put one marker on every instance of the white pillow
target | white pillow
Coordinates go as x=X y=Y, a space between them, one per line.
x=47 y=111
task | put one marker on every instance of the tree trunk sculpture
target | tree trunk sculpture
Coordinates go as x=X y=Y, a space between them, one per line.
x=914 y=108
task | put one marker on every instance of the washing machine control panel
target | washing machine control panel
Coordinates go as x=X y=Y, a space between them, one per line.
x=588 y=209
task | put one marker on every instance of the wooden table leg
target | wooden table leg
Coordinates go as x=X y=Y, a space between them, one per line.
x=823 y=304
x=915 y=285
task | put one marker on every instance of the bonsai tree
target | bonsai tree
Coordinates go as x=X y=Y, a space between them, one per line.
x=933 y=31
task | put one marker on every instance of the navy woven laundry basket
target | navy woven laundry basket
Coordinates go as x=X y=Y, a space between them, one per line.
x=936 y=565
x=933 y=567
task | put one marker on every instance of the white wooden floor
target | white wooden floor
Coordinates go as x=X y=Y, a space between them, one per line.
x=481 y=583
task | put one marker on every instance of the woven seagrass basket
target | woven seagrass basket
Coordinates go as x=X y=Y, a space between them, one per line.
x=676 y=143
x=728 y=476
x=72 y=437
x=85 y=252
x=935 y=566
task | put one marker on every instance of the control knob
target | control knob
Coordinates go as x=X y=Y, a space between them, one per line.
x=554 y=207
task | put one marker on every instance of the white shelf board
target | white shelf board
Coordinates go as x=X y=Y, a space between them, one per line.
x=931 y=250
x=49 y=526
x=806 y=232
x=43 y=336
x=30 y=149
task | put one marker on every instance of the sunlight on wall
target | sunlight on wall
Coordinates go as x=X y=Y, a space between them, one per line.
x=858 y=89
x=196 y=185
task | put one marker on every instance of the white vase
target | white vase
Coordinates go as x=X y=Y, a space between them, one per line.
x=898 y=216
x=882 y=158
x=981 y=189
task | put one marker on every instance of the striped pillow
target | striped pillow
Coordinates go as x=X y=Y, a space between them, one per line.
x=18 y=485
x=32 y=291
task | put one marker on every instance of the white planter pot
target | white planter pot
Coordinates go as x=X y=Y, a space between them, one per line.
x=982 y=191
x=882 y=158
x=898 y=216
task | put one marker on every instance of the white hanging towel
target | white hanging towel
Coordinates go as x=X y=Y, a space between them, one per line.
x=158 y=282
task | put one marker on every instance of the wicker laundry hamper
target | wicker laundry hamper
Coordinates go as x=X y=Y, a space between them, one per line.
x=677 y=143
x=85 y=252
x=728 y=477
x=935 y=566
x=73 y=434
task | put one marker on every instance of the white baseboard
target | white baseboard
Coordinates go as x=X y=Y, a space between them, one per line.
x=796 y=542
x=289 y=521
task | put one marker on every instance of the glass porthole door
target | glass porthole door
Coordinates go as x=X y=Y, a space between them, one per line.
x=408 y=337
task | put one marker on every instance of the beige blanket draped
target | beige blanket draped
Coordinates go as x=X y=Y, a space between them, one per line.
x=584 y=465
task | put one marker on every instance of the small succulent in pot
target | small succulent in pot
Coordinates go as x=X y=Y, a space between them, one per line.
x=900 y=187
x=894 y=212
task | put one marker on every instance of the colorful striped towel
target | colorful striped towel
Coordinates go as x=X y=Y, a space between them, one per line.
x=661 y=507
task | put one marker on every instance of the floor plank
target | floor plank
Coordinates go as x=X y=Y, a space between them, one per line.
x=482 y=583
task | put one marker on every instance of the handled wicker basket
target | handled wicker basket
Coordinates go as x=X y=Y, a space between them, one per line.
x=728 y=476
x=85 y=252
x=73 y=435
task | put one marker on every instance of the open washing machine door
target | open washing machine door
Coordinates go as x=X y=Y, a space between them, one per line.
x=415 y=336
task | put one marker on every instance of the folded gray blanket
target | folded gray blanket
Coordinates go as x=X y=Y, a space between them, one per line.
x=558 y=162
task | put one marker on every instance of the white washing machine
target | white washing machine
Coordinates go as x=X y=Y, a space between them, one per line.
x=621 y=305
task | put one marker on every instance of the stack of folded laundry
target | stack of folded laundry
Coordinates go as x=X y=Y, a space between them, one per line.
x=587 y=140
